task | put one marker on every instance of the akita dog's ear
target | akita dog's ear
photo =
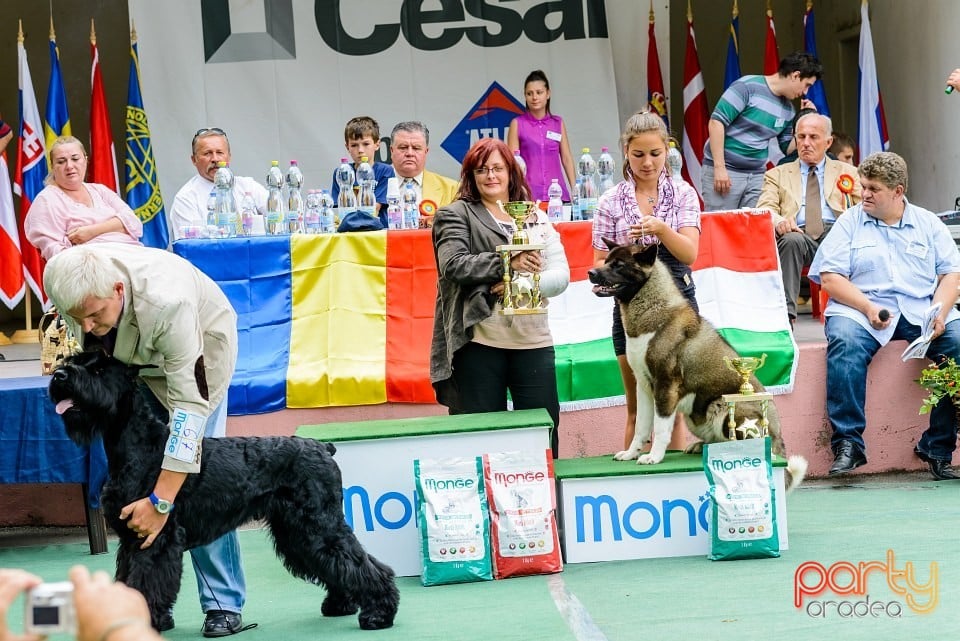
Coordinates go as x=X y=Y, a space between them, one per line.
x=646 y=256
x=610 y=243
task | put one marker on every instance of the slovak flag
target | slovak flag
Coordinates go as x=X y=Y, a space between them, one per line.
x=31 y=170
x=873 y=124
x=11 y=264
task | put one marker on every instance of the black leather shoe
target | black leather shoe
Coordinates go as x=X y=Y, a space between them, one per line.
x=848 y=458
x=941 y=470
x=220 y=623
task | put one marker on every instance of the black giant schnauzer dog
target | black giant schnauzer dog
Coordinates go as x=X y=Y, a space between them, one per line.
x=291 y=483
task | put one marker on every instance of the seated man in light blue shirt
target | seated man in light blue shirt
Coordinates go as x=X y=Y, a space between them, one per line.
x=884 y=263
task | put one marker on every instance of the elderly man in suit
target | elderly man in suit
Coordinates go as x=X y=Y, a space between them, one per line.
x=150 y=307
x=409 y=144
x=806 y=196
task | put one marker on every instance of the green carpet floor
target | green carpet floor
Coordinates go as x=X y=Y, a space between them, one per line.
x=659 y=599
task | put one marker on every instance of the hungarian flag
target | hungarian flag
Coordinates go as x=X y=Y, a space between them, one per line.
x=873 y=123
x=656 y=96
x=740 y=291
x=11 y=264
x=771 y=64
x=732 y=69
x=816 y=94
x=31 y=168
x=103 y=156
x=695 y=112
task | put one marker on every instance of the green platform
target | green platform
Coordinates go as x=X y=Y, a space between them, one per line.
x=599 y=466
x=426 y=426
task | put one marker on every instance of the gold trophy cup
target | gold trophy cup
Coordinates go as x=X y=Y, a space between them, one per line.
x=521 y=292
x=745 y=366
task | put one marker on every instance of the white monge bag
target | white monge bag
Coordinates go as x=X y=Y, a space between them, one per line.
x=743 y=518
x=453 y=520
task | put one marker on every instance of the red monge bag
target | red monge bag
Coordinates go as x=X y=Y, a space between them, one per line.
x=521 y=496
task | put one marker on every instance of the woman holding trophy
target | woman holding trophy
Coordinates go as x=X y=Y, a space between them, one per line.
x=481 y=348
x=647 y=207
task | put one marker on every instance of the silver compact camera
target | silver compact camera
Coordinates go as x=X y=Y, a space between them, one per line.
x=49 y=609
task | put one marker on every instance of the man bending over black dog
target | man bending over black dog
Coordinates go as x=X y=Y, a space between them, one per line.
x=150 y=307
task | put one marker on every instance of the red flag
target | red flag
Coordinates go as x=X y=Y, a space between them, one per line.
x=103 y=156
x=695 y=113
x=11 y=263
x=656 y=96
x=771 y=64
x=771 y=56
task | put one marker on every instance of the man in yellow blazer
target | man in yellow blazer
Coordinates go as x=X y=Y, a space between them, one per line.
x=831 y=187
x=150 y=307
x=409 y=144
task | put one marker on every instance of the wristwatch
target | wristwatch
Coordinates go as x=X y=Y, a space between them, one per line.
x=162 y=506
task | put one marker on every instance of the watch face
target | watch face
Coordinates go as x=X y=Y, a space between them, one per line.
x=163 y=506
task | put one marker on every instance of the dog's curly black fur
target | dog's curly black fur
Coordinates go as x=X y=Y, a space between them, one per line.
x=291 y=483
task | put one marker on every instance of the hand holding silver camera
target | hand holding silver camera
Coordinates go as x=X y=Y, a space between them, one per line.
x=49 y=609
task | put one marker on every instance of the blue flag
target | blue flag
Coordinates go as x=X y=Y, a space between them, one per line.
x=143 y=187
x=56 y=116
x=815 y=93
x=732 y=70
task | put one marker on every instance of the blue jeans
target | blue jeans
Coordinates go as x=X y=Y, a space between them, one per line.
x=219 y=570
x=850 y=348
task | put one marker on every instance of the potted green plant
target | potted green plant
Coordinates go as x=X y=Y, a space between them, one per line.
x=941 y=381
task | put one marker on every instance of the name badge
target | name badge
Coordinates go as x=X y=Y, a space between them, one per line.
x=779 y=123
x=554 y=135
x=917 y=249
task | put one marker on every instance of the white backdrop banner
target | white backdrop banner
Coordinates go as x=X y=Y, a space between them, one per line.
x=282 y=77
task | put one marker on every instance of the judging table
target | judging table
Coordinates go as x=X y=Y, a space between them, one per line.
x=346 y=319
x=34 y=448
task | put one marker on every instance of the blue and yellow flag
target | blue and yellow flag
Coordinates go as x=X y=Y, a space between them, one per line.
x=143 y=186
x=57 y=119
x=731 y=71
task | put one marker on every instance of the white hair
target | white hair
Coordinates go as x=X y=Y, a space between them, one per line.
x=76 y=274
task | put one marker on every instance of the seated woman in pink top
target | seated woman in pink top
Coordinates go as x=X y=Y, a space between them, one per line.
x=542 y=140
x=70 y=211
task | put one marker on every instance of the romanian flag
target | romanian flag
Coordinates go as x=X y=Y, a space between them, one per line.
x=143 y=186
x=332 y=320
x=740 y=291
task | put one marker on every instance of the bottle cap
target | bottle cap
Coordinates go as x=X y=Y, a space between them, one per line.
x=586 y=150
x=343 y=160
x=393 y=187
x=293 y=163
x=221 y=164
x=275 y=163
x=604 y=150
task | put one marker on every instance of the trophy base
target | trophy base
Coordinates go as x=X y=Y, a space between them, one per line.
x=521 y=247
x=523 y=311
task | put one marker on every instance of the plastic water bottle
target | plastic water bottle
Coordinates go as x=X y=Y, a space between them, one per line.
x=368 y=187
x=226 y=203
x=411 y=209
x=212 y=208
x=248 y=212
x=517 y=158
x=605 y=168
x=294 y=217
x=274 y=222
x=586 y=187
x=555 y=204
x=394 y=211
x=328 y=221
x=311 y=213
x=347 y=200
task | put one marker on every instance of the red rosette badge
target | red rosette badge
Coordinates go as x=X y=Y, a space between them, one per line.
x=845 y=184
x=427 y=209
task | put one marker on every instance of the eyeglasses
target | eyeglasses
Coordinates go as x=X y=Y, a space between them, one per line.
x=496 y=169
x=209 y=130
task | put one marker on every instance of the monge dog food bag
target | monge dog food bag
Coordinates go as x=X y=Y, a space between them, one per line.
x=453 y=520
x=743 y=522
x=521 y=492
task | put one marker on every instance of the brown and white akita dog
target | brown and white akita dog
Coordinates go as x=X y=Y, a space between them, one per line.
x=677 y=358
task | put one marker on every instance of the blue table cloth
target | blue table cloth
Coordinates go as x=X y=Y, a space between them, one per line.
x=34 y=447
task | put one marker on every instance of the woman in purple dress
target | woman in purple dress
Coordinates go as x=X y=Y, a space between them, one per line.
x=541 y=138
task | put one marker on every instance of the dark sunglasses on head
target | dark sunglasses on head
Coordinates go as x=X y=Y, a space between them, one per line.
x=208 y=130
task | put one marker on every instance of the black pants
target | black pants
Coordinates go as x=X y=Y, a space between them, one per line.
x=484 y=374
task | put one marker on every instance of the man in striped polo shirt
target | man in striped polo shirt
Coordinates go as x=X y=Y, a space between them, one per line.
x=752 y=111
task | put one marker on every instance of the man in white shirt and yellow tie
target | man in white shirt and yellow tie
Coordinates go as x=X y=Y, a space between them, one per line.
x=806 y=196
x=409 y=144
